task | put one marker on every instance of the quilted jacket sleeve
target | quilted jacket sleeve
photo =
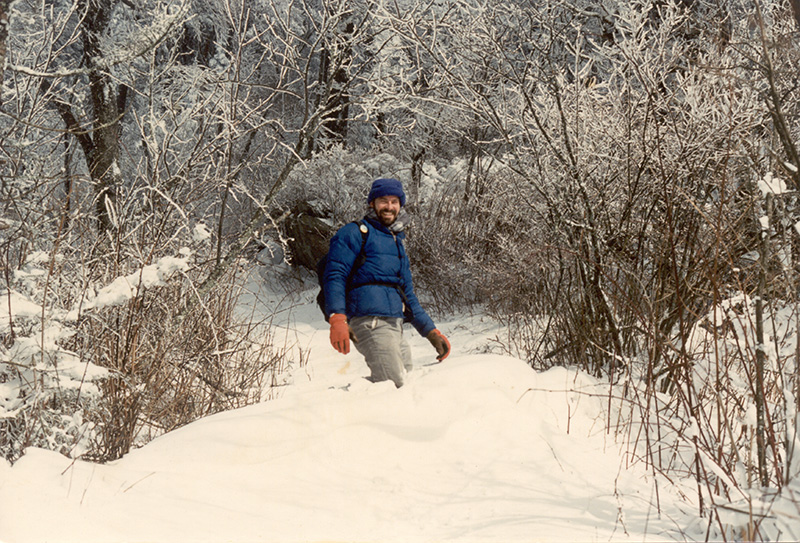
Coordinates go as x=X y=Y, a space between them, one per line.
x=344 y=248
x=422 y=322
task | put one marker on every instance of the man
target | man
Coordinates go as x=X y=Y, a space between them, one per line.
x=374 y=292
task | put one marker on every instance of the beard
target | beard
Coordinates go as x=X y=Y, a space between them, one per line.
x=398 y=222
x=387 y=218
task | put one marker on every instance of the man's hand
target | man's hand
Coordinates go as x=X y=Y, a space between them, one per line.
x=340 y=333
x=440 y=343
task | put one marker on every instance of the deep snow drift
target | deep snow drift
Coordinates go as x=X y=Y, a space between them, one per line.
x=477 y=448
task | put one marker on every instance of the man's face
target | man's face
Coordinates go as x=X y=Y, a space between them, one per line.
x=387 y=208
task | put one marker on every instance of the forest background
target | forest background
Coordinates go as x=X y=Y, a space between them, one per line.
x=616 y=182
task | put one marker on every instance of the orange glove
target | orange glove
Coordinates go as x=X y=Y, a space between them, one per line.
x=340 y=333
x=440 y=343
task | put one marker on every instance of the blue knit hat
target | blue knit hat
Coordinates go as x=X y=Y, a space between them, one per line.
x=387 y=187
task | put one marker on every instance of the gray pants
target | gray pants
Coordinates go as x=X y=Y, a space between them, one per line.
x=380 y=340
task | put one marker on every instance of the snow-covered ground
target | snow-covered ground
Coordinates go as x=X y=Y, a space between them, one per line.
x=476 y=448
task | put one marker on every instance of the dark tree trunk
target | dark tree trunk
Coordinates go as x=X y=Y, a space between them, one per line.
x=417 y=162
x=103 y=160
x=333 y=74
x=339 y=107
x=4 y=4
x=796 y=11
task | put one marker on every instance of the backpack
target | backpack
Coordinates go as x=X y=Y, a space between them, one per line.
x=323 y=262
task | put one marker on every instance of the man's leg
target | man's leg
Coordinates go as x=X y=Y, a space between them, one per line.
x=381 y=342
x=405 y=351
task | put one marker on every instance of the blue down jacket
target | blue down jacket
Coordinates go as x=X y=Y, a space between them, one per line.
x=386 y=262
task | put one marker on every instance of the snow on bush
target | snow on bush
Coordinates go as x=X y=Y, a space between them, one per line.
x=45 y=388
x=125 y=288
x=725 y=345
x=335 y=183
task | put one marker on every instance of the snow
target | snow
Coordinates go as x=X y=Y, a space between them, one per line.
x=476 y=448
x=201 y=233
x=772 y=185
x=124 y=288
x=17 y=304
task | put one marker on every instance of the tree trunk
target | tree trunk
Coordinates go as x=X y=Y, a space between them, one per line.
x=335 y=80
x=103 y=160
x=796 y=11
x=761 y=441
x=417 y=162
x=4 y=5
